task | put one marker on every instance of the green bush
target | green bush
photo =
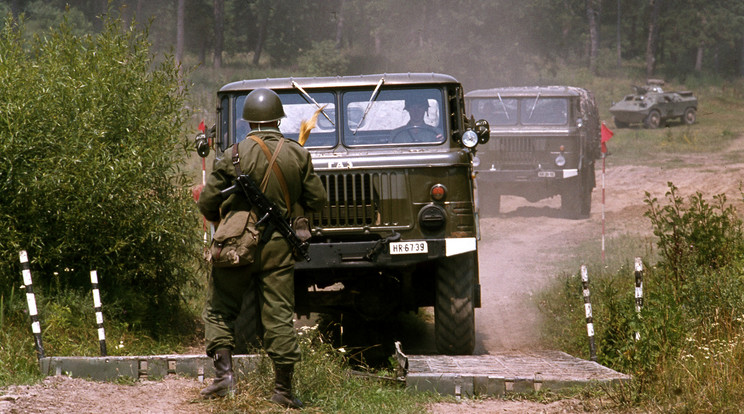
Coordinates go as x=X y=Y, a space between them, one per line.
x=90 y=144
x=695 y=238
x=688 y=355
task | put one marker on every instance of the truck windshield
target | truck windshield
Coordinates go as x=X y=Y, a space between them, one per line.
x=297 y=108
x=395 y=117
x=497 y=111
x=544 y=111
x=533 y=110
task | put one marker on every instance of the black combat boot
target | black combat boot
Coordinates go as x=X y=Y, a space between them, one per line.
x=224 y=382
x=283 y=387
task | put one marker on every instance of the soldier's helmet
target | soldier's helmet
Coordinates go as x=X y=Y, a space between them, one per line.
x=263 y=105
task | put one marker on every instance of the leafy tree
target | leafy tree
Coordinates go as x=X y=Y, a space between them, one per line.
x=90 y=141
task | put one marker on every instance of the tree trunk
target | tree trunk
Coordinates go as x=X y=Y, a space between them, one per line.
x=180 y=13
x=261 y=39
x=340 y=24
x=699 y=59
x=619 y=48
x=219 y=32
x=652 y=34
x=741 y=58
x=592 y=13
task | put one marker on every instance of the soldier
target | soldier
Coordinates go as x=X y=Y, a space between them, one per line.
x=272 y=272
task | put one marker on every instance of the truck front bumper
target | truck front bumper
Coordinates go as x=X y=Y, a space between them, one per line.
x=510 y=176
x=370 y=254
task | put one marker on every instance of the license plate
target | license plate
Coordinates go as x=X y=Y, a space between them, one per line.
x=409 y=247
x=548 y=174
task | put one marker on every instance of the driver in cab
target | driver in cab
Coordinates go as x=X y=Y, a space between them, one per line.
x=416 y=130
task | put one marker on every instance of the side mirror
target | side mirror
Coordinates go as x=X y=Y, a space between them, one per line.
x=483 y=130
x=202 y=145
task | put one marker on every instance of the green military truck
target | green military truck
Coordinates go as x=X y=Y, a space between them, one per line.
x=400 y=228
x=544 y=142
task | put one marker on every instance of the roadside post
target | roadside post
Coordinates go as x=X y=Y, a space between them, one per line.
x=588 y=313
x=638 y=291
x=97 y=306
x=31 y=301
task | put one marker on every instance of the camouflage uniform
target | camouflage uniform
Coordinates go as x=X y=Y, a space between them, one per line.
x=273 y=271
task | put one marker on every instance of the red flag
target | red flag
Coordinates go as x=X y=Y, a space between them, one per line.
x=606 y=135
x=201 y=127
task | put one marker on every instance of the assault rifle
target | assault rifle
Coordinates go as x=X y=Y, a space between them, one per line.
x=268 y=212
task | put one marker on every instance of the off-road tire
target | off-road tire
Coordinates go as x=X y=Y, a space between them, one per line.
x=653 y=120
x=576 y=197
x=689 y=117
x=454 y=308
x=620 y=124
x=248 y=327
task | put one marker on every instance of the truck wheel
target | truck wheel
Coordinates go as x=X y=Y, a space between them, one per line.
x=248 y=328
x=576 y=199
x=454 y=310
x=689 y=117
x=653 y=120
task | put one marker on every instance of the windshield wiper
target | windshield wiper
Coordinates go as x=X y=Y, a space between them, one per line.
x=369 y=104
x=534 y=104
x=310 y=98
x=503 y=106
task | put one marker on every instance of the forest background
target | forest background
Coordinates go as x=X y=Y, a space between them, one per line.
x=481 y=43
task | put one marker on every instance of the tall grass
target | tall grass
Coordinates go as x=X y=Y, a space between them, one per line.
x=690 y=355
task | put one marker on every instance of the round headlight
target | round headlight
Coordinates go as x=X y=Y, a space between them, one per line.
x=560 y=160
x=470 y=139
x=476 y=161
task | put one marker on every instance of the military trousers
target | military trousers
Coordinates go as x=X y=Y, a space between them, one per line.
x=272 y=274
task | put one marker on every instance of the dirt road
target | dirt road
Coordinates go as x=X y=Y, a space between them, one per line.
x=521 y=249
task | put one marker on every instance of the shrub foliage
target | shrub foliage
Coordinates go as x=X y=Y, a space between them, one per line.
x=90 y=141
x=689 y=353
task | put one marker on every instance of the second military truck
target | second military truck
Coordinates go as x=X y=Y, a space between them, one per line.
x=400 y=229
x=544 y=142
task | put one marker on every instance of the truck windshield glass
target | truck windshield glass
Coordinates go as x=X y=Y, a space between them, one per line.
x=297 y=108
x=544 y=111
x=395 y=117
x=496 y=111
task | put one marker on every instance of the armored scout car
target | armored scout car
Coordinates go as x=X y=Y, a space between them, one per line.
x=400 y=227
x=653 y=107
x=544 y=141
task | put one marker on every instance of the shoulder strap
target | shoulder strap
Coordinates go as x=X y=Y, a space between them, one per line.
x=273 y=166
x=239 y=172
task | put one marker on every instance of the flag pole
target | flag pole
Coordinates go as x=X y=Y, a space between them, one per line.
x=603 y=207
x=605 y=135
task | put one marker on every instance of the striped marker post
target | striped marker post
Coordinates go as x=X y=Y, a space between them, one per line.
x=99 y=311
x=588 y=312
x=31 y=300
x=638 y=290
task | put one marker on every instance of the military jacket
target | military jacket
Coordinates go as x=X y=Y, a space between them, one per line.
x=305 y=187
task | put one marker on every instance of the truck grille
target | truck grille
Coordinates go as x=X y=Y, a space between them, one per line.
x=361 y=199
x=517 y=151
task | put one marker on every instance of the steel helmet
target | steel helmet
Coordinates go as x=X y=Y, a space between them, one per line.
x=263 y=105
